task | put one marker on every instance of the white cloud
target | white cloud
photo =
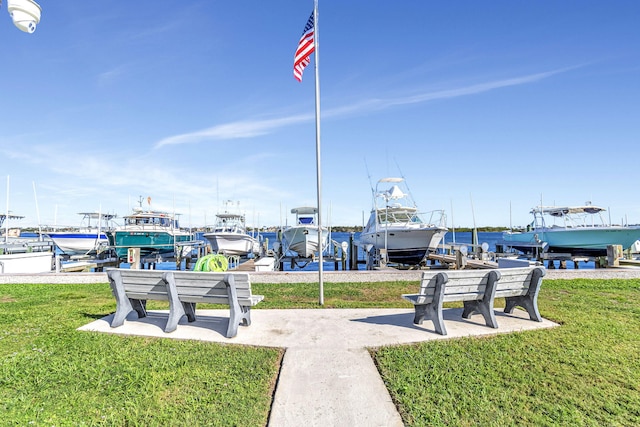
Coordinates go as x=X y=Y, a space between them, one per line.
x=249 y=128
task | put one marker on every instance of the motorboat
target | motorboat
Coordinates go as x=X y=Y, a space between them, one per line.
x=397 y=229
x=89 y=238
x=303 y=237
x=23 y=252
x=153 y=232
x=229 y=236
x=577 y=230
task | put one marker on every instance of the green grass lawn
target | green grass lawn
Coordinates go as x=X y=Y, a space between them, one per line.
x=586 y=372
x=53 y=375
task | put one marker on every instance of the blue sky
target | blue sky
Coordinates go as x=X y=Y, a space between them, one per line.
x=486 y=108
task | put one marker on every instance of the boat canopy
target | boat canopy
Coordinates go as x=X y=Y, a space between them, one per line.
x=225 y=215
x=11 y=216
x=569 y=210
x=304 y=210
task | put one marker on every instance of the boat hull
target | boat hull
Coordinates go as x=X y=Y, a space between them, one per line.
x=404 y=245
x=26 y=262
x=303 y=240
x=78 y=243
x=587 y=241
x=239 y=244
x=149 y=242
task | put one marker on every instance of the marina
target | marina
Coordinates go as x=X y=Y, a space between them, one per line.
x=396 y=236
x=458 y=250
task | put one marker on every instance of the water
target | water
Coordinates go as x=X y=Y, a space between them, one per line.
x=491 y=238
x=464 y=237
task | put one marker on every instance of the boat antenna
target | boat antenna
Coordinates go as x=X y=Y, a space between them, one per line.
x=405 y=182
x=37 y=212
x=366 y=166
x=97 y=241
x=473 y=214
x=453 y=224
x=510 y=219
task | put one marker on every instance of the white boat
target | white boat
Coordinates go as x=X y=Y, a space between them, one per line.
x=302 y=238
x=396 y=226
x=21 y=254
x=90 y=238
x=577 y=230
x=229 y=236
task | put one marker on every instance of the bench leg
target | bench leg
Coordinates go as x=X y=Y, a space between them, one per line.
x=124 y=305
x=433 y=310
x=485 y=305
x=176 y=308
x=529 y=301
x=140 y=306
x=236 y=313
x=190 y=310
x=246 y=316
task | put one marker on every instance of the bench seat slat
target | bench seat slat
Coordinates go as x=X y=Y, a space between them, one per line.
x=156 y=296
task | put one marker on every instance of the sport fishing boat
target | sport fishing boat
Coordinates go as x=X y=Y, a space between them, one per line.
x=302 y=238
x=153 y=232
x=396 y=226
x=89 y=238
x=577 y=230
x=229 y=236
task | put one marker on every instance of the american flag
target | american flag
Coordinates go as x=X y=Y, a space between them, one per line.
x=304 y=50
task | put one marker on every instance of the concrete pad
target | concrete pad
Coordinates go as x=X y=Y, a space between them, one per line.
x=327 y=376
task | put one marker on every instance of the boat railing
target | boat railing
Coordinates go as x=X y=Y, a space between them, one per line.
x=436 y=218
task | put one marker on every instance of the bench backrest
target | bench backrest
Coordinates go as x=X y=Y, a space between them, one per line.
x=141 y=284
x=516 y=281
x=468 y=285
x=209 y=287
x=460 y=285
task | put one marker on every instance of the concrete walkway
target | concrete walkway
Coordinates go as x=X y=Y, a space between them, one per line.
x=327 y=376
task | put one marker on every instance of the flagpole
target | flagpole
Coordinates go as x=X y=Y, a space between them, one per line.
x=318 y=169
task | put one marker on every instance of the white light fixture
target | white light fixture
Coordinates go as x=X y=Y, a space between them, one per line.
x=25 y=14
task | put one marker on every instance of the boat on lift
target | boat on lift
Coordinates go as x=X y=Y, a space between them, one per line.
x=153 y=232
x=303 y=237
x=397 y=229
x=229 y=235
x=577 y=230
x=87 y=239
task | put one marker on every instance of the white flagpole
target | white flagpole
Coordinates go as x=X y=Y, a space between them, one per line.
x=316 y=43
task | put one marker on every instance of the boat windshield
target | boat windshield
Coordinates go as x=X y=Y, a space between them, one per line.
x=397 y=217
x=164 y=222
x=305 y=220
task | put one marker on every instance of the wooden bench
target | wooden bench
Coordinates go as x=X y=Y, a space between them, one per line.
x=187 y=288
x=477 y=289
x=183 y=290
